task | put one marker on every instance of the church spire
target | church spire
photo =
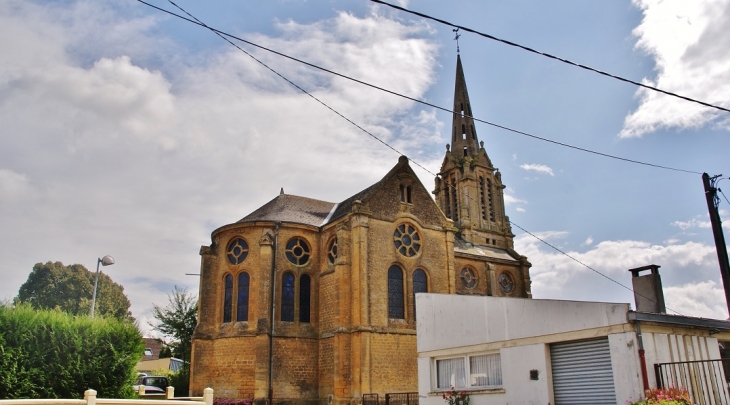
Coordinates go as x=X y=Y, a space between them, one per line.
x=464 y=141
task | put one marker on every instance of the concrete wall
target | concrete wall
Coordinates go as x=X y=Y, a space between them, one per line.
x=521 y=330
x=492 y=319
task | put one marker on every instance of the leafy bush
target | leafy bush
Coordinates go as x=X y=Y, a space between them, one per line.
x=52 y=354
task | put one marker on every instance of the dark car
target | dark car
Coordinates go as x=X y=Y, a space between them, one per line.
x=153 y=384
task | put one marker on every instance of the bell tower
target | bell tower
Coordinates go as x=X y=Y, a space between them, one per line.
x=469 y=189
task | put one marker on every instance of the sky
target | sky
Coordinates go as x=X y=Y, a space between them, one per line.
x=128 y=132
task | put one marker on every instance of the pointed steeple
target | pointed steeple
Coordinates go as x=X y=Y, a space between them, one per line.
x=469 y=188
x=464 y=141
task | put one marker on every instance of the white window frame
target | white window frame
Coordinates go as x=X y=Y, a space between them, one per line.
x=467 y=372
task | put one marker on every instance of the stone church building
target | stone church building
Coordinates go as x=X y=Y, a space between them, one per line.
x=312 y=302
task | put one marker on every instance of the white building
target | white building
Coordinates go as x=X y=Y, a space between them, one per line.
x=529 y=351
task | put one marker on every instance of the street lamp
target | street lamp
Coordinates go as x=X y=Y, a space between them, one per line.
x=104 y=261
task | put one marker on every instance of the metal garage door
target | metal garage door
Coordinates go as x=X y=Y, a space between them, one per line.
x=582 y=372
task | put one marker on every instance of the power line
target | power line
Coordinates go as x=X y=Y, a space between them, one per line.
x=585 y=265
x=416 y=163
x=510 y=43
x=222 y=33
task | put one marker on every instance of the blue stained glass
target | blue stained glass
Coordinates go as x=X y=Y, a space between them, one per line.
x=287 y=297
x=395 y=293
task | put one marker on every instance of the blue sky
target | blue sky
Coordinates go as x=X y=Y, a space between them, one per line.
x=128 y=132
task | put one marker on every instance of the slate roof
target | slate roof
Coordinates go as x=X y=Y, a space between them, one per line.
x=292 y=208
x=489 y=251
x=155 y=345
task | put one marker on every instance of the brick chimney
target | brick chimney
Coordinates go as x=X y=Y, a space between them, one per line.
x=648 y=293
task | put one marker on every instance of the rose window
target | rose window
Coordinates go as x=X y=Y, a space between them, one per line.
x=237 y=251
x=506 y=284
x=469 y=278
x=406 y=240
x=297 y=251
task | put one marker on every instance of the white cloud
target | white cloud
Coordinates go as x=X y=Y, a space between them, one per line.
x=701 y=299
x=688 y=42
x=557 y=276
x=698 y=222
x=117 y=157
x=693 y=223
x=509 y=199
x=538 y=168
x=588 y=241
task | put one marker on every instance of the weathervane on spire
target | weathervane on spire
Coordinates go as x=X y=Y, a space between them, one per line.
x=456 y=38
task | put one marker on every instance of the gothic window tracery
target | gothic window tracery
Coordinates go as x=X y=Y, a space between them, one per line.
x=406 y=240
x=469 y=278
x=332 y=250
x=506 y=283
x=297 y=251
x=237 y=251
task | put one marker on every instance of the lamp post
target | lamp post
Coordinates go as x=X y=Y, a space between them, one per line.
x=104 y=261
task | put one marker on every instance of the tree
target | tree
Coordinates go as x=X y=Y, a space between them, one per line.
x=70 y=288
x=177 y=323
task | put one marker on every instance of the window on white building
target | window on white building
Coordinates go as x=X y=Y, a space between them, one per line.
x=483 y=371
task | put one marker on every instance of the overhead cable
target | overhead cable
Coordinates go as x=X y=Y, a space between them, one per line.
x=223 y=33
x=510 y=43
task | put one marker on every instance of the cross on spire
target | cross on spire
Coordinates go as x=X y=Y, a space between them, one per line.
x=456 y=38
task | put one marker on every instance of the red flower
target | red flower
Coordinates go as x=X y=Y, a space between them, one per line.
x=443 y=396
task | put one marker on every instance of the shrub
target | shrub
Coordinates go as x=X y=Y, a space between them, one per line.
x=51 y=354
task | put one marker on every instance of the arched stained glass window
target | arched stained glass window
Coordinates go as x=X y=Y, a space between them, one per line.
x=228 y=298
x=287 y=297
x=305 y=289
x=242 y=304
x=420 y=285
x=395 y=293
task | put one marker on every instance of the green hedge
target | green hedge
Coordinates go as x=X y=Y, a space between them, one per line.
x=51 y=354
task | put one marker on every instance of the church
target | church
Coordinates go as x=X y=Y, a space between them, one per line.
x=313 y=302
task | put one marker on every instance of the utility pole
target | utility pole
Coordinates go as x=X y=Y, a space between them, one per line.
x=712 y=202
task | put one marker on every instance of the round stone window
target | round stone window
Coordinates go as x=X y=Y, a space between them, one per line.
x=332 y=251
x=237 y=251
x=506 y=283
x=469 y=278
x=406 y=240
x=297 y=251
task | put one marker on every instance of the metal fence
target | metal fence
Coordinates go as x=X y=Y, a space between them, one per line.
x=401 y=398
x=705 y=380
x=370 y=399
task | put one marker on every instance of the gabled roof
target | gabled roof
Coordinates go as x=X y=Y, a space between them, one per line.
x=309 y=211
x=292 y=208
